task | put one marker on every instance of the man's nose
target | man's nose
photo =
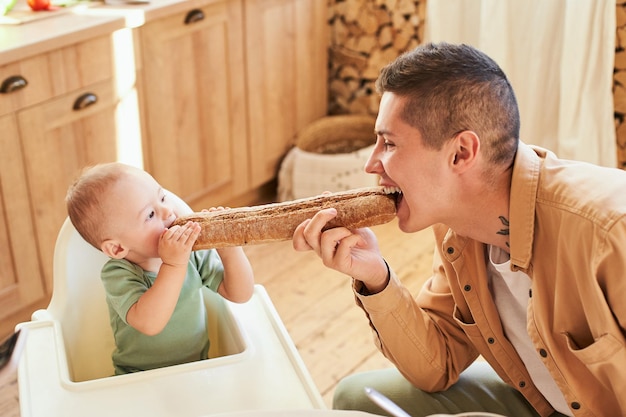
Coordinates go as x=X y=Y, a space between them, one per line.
x=373 y=165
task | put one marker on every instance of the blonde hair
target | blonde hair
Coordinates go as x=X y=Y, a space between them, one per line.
x=85 y=199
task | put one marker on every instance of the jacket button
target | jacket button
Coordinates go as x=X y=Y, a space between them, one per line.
x=543 y=353
x=467 y=287
x=491 y=340
x=450 y=250
x=575 y=405
x=522 y=384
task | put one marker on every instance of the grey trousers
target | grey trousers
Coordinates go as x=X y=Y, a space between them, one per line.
x=478 y=389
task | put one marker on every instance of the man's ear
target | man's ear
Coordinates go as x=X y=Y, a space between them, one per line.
x=113 y=249
x=465 y=150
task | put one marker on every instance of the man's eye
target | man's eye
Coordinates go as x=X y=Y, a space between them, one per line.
x=388 y=144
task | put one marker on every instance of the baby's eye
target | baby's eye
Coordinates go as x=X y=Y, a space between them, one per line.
x=151 y=215
x=163 y=198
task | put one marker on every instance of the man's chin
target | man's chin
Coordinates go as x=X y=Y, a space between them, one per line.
x=407 y=223
x=404 y=224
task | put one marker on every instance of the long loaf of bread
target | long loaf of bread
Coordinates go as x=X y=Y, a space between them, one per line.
x=242 y=226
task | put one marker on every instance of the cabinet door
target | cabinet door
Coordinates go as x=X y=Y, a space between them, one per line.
x=58 y=141
x=287 y=56
x=194 y=98
x=21 y=280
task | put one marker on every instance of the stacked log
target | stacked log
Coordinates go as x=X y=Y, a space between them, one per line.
x=619 y=83
x=365 y=36
x=368 y=34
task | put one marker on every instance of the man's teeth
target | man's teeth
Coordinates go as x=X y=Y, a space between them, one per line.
x=392 y=190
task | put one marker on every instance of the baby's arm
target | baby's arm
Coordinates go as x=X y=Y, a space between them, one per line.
x=238 y=282
x=151 y=313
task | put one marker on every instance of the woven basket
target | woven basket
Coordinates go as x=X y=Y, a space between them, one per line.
x=337 y=134
x=330 y=155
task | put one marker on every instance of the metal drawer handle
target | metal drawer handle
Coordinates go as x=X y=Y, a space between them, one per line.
x=85 y=101
x=194 y=16
x=13 y=83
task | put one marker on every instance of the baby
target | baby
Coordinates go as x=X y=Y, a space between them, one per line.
x=153 y=279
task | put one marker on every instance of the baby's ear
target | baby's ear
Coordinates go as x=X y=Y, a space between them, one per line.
x=113 y=249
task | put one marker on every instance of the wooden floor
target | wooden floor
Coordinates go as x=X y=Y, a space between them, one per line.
x=317 y=306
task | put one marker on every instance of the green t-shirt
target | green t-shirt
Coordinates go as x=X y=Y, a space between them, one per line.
x=184 y=338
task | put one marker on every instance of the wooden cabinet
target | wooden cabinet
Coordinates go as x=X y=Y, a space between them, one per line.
x=193 y=99
x=207 y=95
x=226 y=85
x=62 y=120
x=286 y=54
x=21 y=280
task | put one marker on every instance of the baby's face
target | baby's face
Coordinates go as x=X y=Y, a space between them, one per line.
x=139 y=211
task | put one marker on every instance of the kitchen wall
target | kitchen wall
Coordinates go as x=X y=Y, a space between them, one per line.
x=367 y=34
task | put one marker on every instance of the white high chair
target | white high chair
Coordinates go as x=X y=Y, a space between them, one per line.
x=66 y=367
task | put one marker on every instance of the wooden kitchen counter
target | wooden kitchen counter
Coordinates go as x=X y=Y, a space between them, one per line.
x=56 y=31
x=88 y=19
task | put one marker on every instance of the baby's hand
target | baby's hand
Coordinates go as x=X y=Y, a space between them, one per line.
x=176 y=242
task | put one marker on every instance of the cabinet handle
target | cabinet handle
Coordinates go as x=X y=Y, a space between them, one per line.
x=194 y=16
x=85 y=101
x=13 y=83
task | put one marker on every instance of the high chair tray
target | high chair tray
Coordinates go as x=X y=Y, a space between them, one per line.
x=267 y=374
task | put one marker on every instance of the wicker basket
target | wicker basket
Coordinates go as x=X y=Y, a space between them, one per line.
x=329 y=155
x=337 y=134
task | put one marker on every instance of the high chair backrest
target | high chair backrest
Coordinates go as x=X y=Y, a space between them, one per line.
x=78 y=303
x=79 y=306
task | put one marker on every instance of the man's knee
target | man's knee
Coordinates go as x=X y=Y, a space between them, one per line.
x=350 y=393
x=478 y=389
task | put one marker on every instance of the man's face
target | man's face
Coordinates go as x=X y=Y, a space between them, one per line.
x=401 y=160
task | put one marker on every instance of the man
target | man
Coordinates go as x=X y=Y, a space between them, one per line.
x=530 y=261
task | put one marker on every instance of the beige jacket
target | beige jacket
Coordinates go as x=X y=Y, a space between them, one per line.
x=568 y=233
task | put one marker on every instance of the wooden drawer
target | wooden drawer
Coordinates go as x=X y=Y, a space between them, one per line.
x=57 y=72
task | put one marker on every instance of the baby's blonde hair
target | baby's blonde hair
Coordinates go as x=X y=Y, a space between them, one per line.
x=85 y=199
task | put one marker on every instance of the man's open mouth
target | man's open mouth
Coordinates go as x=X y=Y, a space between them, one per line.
x=396 y=192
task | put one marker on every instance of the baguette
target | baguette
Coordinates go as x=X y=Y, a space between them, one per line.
x=242 y=226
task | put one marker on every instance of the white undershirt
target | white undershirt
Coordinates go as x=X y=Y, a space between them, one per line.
x=510 y=294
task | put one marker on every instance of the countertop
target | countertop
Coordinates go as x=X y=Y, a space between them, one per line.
x=66 y=26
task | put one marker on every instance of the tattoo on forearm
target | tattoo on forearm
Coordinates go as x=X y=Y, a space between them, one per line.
x=505 y=229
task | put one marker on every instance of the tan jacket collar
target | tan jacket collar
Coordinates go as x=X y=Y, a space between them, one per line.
x=524 y=185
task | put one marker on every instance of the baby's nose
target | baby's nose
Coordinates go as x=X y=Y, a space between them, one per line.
x=167 y=213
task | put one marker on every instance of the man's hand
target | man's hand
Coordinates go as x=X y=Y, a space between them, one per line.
x=354 y=253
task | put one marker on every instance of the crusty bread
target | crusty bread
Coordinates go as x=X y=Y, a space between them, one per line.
x=241 y=226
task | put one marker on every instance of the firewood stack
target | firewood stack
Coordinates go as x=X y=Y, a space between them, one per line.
x=368 y=34
x=619 y=83
x=365 y=36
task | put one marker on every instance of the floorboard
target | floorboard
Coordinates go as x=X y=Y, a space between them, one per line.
x=317 y=305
